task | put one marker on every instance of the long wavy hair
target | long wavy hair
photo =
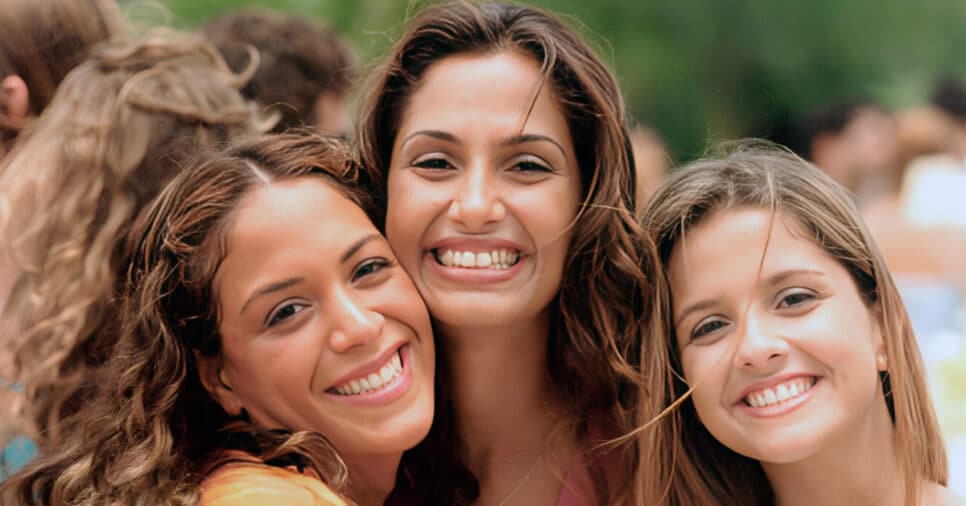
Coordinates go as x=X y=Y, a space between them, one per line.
x=44 y=39
x=150 y=435
x=594 y=349
x=687 y=466
x=121 y=125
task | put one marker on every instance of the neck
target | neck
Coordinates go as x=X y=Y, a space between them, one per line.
x=371 y=478
x=858 y=467
x=504 y=400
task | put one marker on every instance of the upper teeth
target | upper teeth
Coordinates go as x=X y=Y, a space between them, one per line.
x=496 y=259
x=374 y=381
x=779 y=393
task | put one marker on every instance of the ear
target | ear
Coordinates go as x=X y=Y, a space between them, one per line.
x=14 y=97
x=881 y=359
x=219 y=388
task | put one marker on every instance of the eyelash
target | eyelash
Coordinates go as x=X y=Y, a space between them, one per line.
x=531 y=166
x=377 y=264
x=433 y=164
x=524 y=166
x=275 y=317
x=703 y=329
x=806 y=294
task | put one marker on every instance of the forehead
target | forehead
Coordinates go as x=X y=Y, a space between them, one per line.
x=288 y=219
x=731 y=244
x=491 y=82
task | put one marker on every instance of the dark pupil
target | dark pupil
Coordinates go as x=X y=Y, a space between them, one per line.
x=285 y=312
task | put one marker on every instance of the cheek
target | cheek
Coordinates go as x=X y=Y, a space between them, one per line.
x=705 y=374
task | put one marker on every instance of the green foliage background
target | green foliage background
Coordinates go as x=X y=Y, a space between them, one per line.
x=705 y=70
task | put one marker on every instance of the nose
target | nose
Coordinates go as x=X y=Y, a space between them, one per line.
x=760 y=345
x=477 y=201
x=353 y=324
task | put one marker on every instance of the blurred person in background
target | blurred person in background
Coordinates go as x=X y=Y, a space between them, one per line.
x=119 y=127
x=855 y=143
x=651 y=161
x=42 y=41
x=305 y=70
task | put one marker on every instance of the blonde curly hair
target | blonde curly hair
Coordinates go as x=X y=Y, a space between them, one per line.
x=119 y=127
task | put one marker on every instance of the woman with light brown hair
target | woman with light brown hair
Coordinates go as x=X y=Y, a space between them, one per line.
x=42 y=41
x=269 y=348
x=120 y=126
x=789 y=372
x=499 y=150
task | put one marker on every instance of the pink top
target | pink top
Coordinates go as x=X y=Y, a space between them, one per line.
x=578 y=487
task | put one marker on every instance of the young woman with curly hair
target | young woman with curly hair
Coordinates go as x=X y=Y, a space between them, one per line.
x=270 y=350
x=788 y=366
x=120 y=126
x=498 y=149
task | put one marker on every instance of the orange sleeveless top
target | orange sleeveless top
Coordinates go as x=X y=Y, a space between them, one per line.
x=253 y=483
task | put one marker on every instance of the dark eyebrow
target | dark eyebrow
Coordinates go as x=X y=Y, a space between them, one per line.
x=697 y=306
x=356 y=246
x=274 y=287
x=436 y=134
x=522 y=138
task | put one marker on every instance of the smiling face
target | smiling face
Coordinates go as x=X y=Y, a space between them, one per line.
x=481 y=195
x=782 y=350
x=321 y=330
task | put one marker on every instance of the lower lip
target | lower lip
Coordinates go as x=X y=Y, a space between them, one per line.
x=396 y=388
x=473 y=275
x=781 y=408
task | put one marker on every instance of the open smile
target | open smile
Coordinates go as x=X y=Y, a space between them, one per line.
x=497 y=259
x=783 y=392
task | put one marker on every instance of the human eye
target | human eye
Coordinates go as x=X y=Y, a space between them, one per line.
x=795 y=298
x=284 y=313
x=531 y=165
x=371 y=267
x=706 y=327
x=433 y=163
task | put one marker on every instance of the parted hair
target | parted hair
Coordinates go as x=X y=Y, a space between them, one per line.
x=121 y=125
x=595 y=343
x=687 y=466
x=151 y=434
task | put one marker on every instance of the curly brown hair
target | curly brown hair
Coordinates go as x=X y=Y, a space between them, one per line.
x=687 y=465
x=120 y=126
x=298 y=60
x=149 y=435
x=594 y=347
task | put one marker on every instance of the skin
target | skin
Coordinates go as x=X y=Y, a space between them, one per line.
x=755 y=302
x=14 y=103
x=470 y=170
x=331 y=110
x=310 y=295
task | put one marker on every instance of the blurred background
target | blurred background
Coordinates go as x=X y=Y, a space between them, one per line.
x=872 y=91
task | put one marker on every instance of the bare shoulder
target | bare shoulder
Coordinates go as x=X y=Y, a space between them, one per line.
x=262 y=485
